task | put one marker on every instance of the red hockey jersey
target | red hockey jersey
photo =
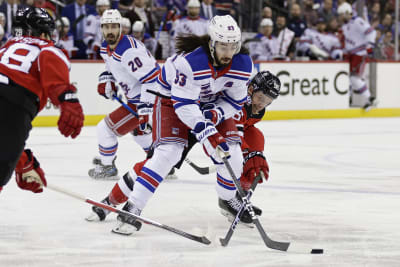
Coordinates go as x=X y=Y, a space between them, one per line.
x=35 y=64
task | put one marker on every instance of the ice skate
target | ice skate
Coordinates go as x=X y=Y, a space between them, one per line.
x=99 y=214
x=229 y=208
x=103 y=172
x=128 y=225
x=372 y=102
x=171 y=175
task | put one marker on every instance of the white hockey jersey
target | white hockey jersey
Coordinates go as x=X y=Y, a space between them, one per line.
x=284 y=39
x=93 y=32
x=266 y=49
x=186 y=25
x=192 y=82
x=359 y=36
x=133 y=67
x=327 y=42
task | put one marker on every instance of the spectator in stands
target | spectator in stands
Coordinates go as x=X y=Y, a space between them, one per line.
x=326 y=12
x=386 y=46
x=192 y=24
x=333 y=26
x=267 y=47
x=266 y=13
x=93 y=35
x=65 y=37
x=296 y=23
x=77 y=13
x=207 y=9
x=9 y=9
x=140 y=12
x=387 y=23
x=2 y=20
x=3 y=38
x=310 y=13
x=126 y=26
x=374 y=14
x=151 y=43
x=227 y=7
x=285 y=39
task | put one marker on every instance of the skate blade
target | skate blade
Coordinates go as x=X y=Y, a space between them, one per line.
x=124 y=229
x=108 y=178
x=231 y=219
x=171 y=177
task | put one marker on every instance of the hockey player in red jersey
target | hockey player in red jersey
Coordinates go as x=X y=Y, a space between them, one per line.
x=262 y=90
x=31 y=71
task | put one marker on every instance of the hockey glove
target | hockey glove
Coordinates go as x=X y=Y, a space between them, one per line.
x=144 y=111
x=254 y=162
x=106 y=86
x=71 y=118
x=213 y=113
x=210 y=138
x=28 y=173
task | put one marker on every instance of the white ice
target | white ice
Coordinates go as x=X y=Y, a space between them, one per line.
x=334 y=184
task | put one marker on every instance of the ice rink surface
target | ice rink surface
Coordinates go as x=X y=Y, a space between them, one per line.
x=334 y=184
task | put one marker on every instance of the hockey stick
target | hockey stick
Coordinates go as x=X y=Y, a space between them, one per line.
x=272 y=244
x=125 y=106
x=200 y=239
x=201 y=170
x=224 y=241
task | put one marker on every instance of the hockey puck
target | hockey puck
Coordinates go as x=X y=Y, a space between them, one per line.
x=317 y=251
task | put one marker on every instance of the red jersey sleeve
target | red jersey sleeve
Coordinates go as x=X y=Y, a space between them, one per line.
x=54 y=69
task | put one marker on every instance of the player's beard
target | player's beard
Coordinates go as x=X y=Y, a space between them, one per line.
x=111 y=39
x=224 y=62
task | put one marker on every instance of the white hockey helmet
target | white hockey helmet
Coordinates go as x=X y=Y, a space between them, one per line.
x=138 y=26
x=224 y=29
x=125 y=22
x=64 y=21
x=344 y=8
x=103 y=3
x=111 y=16
x=193 y=3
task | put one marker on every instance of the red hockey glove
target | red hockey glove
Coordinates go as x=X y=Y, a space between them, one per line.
x=106 y=86
x=254 y=162
x=28 y=173
x=144 y=111
x=213 y=113
x=210 y=138
x=71 y=118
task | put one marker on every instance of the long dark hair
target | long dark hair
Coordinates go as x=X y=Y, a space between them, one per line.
x=189 y=42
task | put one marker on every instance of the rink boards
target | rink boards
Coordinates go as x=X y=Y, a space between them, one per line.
x=309 y=90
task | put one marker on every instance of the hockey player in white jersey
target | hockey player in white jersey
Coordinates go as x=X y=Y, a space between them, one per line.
x=93 y=36
x=318 y=44
x=359 y=41
x=201 y=90
x=130 y=66
x=191 y=24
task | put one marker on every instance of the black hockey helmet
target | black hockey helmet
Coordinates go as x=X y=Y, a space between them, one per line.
x=34 y=21
x=266 y=82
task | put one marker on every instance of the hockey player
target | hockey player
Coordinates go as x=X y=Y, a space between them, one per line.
x=359 y=41
x=318 y=44
x=191 y=24
x=31 y=71
x=93 y=36
x=129 y=65
x=203 y=88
